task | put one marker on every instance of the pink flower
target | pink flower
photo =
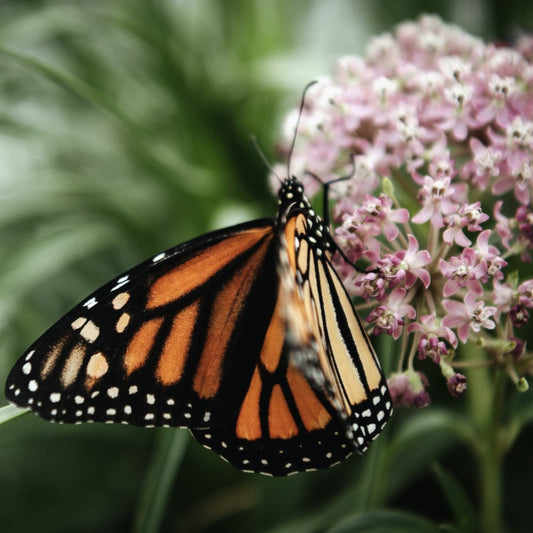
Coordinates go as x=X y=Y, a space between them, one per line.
x=473 y=216
x=456 y=384
x=370 y=285
x=412 y=263
x=408 y=389
x=389 y=317
x=431 y=125
x=454 y=230
x=525 y=293
x=436 y=199
x=489 y=258
x=379 y=212
x=503 y=225
x=431 y=344
x=463 y=271
x=484 y=165
x=469 y=216
x=472 y=315
x=404 y=265
x=502 y=296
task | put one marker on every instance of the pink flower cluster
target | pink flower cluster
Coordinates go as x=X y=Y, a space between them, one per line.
x=435 y=129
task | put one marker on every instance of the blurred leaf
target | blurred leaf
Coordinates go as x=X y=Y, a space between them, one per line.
x=171 y=445
x=385 y=521
x=51 y=253
x=458 y=500
x=521 y=415
x=421 y=439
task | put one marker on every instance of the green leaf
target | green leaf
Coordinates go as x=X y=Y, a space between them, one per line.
x=10 y=412
x=157 y=487
x=458 y=500
x=385 y=522
x=421 y=440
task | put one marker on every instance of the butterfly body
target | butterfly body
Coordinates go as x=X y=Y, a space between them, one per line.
x=245 y=336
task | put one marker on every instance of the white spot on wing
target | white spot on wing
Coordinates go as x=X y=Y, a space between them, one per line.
x=90 y=331
x=55 y=397
x=120 y=300
x=91 y=302
x=79 y=322
x=120 y=283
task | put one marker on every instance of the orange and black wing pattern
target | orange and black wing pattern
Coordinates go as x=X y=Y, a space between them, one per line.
x=229 y=335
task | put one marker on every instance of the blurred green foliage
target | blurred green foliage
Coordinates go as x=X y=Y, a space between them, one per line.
x=125 y=128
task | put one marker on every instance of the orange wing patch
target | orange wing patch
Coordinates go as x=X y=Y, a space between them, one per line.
x=197 y=270
x=274 y=339
x=249 y=421
x=228 y=306
x=312 y=411
x=139 y=348
x=176 y=348
x=281 y=424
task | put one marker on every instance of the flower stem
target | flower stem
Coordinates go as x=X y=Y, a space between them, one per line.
x=486 y=394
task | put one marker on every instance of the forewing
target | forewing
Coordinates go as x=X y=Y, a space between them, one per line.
x=155 y=346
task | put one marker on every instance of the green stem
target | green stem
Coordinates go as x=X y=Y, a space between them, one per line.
x=486 y=394
x=157 y=488
x=374 y=494
x=491 y=484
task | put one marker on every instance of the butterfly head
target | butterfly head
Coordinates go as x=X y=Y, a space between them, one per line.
x=291 y=193
x=293 y=202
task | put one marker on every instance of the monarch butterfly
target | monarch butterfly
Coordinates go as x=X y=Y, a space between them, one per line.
x=245 y=336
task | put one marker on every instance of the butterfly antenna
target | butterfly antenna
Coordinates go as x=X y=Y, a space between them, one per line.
x=264 y=158
x=300 y=111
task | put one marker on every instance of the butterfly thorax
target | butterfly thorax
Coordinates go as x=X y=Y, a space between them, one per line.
x=292 y=202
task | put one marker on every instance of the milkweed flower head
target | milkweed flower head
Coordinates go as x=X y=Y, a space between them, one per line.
x=435 y=130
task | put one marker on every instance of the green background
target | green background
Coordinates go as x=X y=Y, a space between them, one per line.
x=125 y=128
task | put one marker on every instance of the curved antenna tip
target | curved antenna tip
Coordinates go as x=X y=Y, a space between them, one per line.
x=293 y=143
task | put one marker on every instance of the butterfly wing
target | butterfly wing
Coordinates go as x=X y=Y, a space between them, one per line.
x=344 y=363
x=285 y=423
x=245 y=336
x=317 y=391
x=157 y=345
